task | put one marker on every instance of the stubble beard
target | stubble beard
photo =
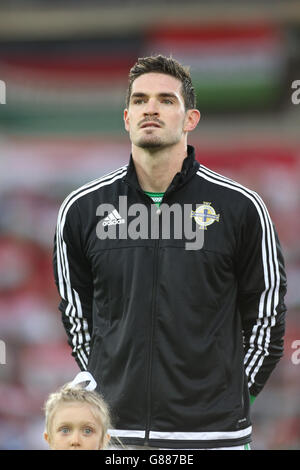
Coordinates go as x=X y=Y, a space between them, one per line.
x=156 y=142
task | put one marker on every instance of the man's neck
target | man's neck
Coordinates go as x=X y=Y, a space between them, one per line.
x=156 y=169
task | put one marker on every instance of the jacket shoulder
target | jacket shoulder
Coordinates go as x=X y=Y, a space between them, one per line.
x=87 y=189
x=228 y=187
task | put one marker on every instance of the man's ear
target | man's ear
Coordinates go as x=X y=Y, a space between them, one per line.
x=126 y=119
x=191 y=119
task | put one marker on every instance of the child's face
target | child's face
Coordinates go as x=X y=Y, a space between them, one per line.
x=75 y=427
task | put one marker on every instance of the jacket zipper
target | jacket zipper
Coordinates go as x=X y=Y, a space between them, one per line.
x=152 y=332
x=152 y=319
x=152 y=329
x=152 y=323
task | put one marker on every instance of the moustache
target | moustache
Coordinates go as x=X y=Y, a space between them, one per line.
x=156 y=121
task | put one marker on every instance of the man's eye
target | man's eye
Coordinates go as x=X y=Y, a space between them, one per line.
x=139 y=101
x=166 y=101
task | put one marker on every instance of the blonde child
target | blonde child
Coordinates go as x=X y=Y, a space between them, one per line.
x=77 y=418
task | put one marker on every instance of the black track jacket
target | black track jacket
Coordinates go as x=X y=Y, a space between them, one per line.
x=176 y=338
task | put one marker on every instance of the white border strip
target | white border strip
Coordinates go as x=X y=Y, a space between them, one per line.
x=127 y=433
x=200 y=436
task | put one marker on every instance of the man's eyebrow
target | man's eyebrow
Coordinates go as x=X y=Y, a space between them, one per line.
x=161 y=95
x=138 y=95
x=168 y=95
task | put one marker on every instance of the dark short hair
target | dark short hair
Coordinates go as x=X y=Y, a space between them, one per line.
x=168 y=66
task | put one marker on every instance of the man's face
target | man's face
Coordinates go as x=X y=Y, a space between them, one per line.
x=156 y=115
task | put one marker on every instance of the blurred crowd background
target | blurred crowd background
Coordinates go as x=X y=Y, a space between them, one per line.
x=65 y=66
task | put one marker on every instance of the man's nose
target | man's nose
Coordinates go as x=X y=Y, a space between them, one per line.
x=151 y=108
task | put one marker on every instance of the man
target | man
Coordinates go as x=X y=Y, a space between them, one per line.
x=175 y=335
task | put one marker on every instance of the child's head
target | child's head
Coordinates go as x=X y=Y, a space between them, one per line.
x=76 y=419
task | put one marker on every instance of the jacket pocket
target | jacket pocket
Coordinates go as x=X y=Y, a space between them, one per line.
x=213 y=380
x=117 y=309
x=220 y=354
x=101 y=323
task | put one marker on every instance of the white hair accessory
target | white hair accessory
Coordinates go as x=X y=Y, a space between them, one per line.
x=85 y=376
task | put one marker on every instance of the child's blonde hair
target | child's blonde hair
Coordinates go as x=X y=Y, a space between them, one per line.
x=69 y=393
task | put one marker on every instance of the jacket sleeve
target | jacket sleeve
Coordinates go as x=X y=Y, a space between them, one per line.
x=74 y=281
x=261 y=290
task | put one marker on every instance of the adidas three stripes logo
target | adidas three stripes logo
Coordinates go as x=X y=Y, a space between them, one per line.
x=113 y=218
